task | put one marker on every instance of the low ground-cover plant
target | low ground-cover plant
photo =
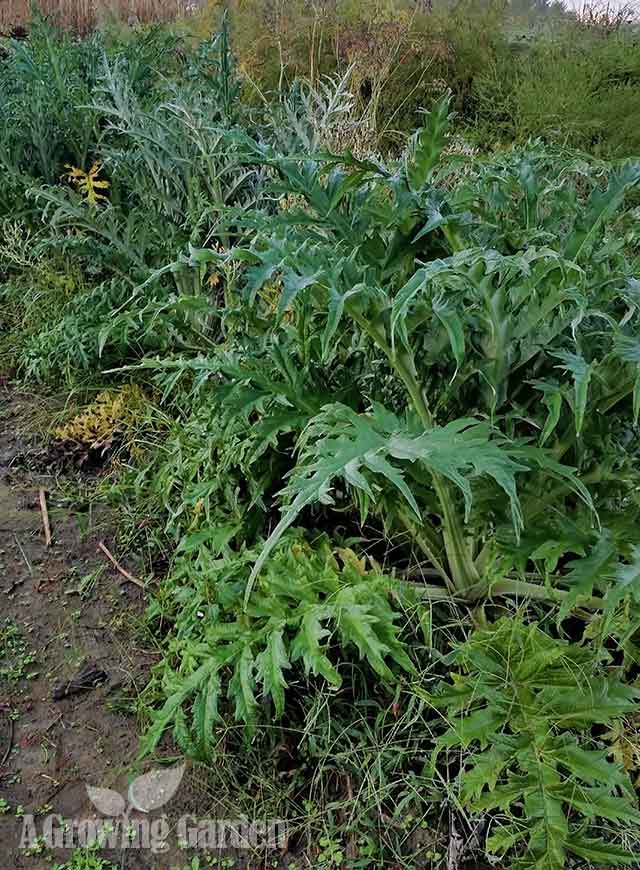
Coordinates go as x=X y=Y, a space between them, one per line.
x=308 y=595
x=525 y=707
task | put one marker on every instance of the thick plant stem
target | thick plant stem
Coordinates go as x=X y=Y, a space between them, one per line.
x=506 y=588
x=423 y=538
x=463 y=572
x=430 y=593
x=522 y=589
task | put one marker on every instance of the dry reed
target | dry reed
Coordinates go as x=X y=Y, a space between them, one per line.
x=83 y=15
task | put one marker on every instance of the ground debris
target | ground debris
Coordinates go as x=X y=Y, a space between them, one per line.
x=85 y=680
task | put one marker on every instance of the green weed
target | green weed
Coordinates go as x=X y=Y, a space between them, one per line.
x=16 y=658
x=86 y=859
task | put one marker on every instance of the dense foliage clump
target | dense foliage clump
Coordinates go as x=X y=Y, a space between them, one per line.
x=377 y=414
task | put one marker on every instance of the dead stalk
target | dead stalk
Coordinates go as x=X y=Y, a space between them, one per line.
x=45 y=518
x=119 y=567
x=84 y=16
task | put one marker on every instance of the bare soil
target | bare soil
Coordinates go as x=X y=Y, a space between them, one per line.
x=51 y=750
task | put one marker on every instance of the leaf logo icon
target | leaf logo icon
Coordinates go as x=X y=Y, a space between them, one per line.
x=107 y=801
x=153 y=790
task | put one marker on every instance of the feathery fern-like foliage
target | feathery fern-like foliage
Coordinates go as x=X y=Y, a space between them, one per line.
x=308 y=600
x=522 y=707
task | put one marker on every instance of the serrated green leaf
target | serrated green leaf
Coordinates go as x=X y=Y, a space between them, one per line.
x=216 y=538
x=242 y=687
x=601 y=206
x=582 y=372
x=504 y=838
x=449 y=318
x=356 y=625
x=486 y=769
x=205 y=711
x=427 y=144
x=599 y=702
x=269 y=669
x=335 y=310
x=599 y=803
x=625 y=582
x=166 y=715
x=597 y=851
x=590 y=572
x=553 y=401
x=502 y=796
x=182 y=735
x=591 y=766
x=307 y=644
x=480 y=725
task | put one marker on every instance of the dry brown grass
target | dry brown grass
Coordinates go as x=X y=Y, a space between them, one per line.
x=606 y=16
x=83 y=15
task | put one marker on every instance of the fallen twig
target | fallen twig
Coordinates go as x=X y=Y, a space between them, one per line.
x=24 y=555
x=7 y=753
x=119 y=567
x=45 y=518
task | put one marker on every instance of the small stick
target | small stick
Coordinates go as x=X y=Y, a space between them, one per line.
x=24 y=555
x=119 y=567
x=5 y=757
x=45 y=518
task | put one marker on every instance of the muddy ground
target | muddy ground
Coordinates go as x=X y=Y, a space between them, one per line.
x=50 y=750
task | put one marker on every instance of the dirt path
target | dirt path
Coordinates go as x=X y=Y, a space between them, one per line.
x=61 y=608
